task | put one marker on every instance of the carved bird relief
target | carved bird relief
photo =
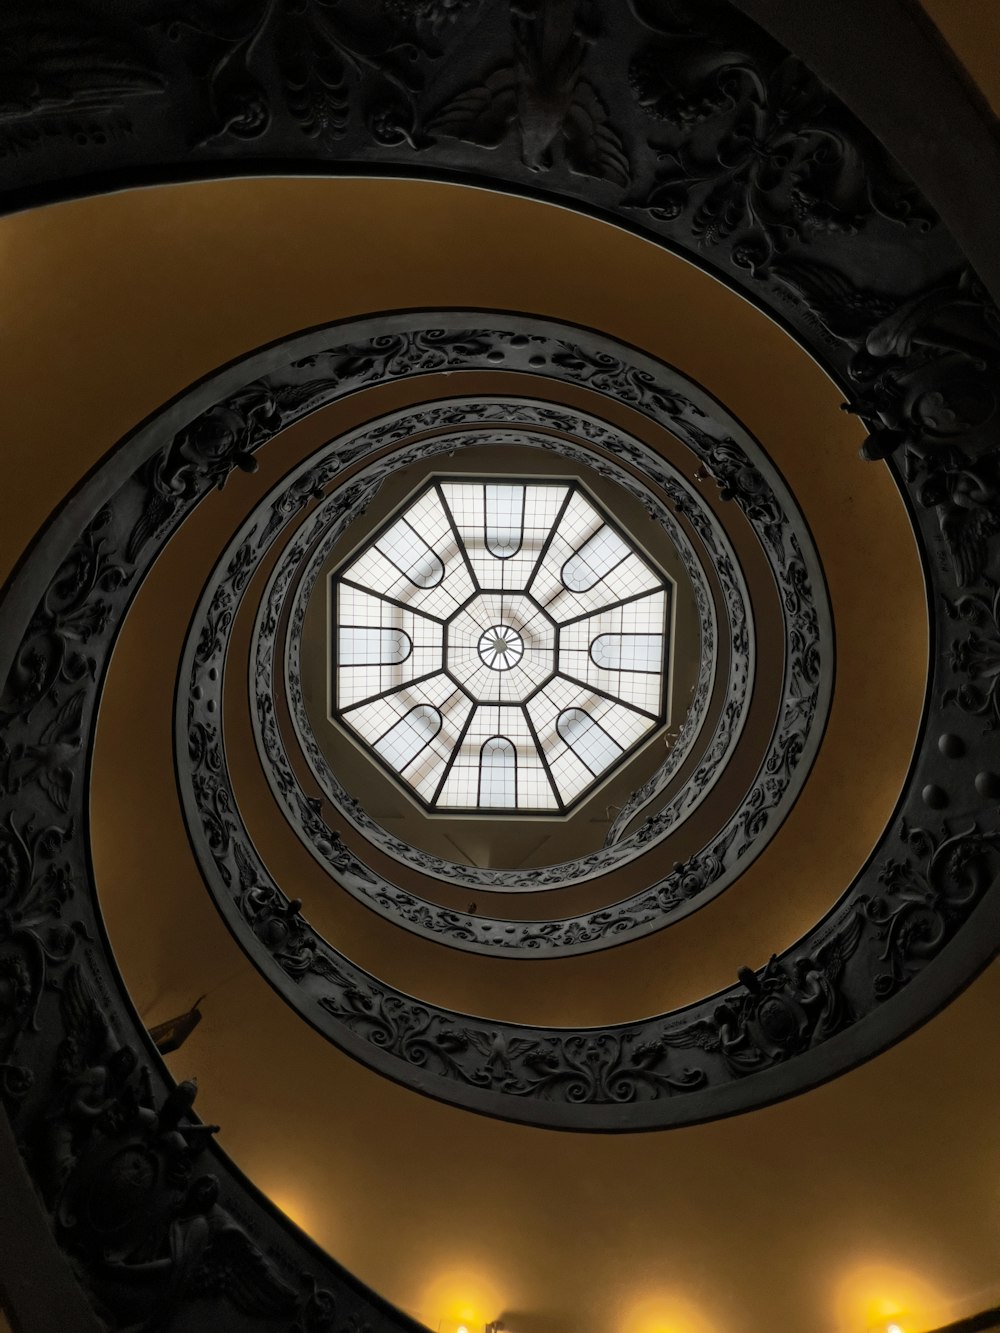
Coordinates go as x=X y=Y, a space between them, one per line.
x=49 y=764
x=499 y=1052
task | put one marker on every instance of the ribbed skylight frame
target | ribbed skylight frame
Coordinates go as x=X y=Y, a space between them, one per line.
x=500 y=646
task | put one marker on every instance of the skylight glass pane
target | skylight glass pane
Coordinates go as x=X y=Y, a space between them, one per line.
x=500 y=645
x=589 y=742
x=627 y=652
x=497 y=774
x=366 y=661
x=596 y=558
x=363 y=646
x=504 y=520
x=411 y=555
x=406 y=738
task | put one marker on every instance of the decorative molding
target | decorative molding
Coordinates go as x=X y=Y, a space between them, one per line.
x=976 y=656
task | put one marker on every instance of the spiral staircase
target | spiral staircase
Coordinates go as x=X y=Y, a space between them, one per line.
x=673 y=1013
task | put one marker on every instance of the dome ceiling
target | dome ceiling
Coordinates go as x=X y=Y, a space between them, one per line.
x=495 y=619
x=500 y=646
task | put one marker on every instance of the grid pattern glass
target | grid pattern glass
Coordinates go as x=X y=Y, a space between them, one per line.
x=620 y=650
x=597 y=557
x=498 y=774
x=500 y=645
x=504 y=520
x=367 y=629
x=588 y=740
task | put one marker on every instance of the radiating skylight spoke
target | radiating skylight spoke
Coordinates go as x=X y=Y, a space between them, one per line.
x=594 y=560
x=406 y=738
x=500 y=646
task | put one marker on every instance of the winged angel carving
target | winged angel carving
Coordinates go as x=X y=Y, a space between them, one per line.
x=542 y=96
x=924 y=375
x=209 y=449
x=784 y=1009
x=48 y=764
x=330 y=58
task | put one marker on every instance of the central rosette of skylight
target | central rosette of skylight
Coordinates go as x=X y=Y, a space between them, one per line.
x=500 y=646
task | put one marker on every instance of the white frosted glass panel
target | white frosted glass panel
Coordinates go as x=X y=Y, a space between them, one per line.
x=504 y=520
x=411 y=555
x=403 y=742
x=596 y=558
x=589 y=742
x=362 y=646
x=628 y=652
x=498 y=774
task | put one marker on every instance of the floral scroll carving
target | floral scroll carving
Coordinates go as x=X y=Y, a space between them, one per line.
x=977 y=655
x=760 y=154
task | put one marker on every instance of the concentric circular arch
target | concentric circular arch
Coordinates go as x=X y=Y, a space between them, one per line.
x=703 y=876
x=730 y=1051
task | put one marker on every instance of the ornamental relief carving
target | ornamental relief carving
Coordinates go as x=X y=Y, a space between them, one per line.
x=752 y=149
x=685 y=118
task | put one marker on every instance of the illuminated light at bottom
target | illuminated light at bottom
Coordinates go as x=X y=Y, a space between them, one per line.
x=666 y=1313
x=883 y=1298
x=464 y=1297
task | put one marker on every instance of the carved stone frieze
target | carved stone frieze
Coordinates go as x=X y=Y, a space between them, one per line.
x=134 y=1198
x=923 y=376
x=975 y=656
x=752 y=149
x=540 y=97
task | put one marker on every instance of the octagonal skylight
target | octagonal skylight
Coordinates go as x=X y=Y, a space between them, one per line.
x=500 y=646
